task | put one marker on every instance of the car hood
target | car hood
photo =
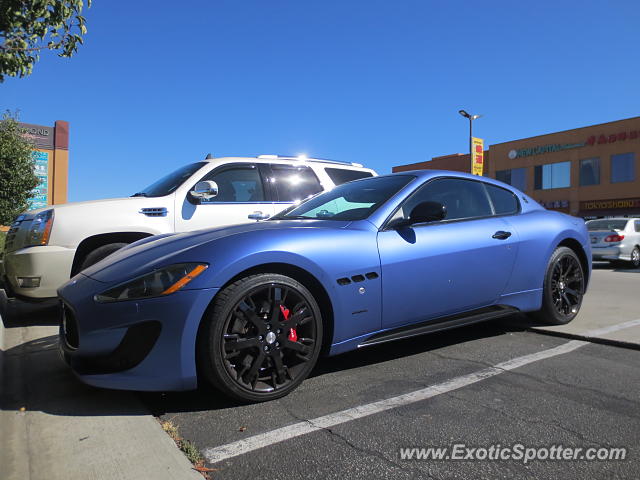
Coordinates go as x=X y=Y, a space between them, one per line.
x=146 y=254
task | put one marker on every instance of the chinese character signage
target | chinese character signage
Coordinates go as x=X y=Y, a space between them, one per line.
x=39 y=198
x=477 y=156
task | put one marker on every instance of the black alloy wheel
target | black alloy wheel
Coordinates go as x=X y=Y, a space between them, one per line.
x=563 y=289
x=262 y=339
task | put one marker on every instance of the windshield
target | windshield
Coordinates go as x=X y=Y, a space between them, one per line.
x=606 y=225
x=351 y=201
x=169 y=183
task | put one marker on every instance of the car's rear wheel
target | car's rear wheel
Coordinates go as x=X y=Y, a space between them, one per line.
x=635 y=258
x=563 y=288
x=261 y=339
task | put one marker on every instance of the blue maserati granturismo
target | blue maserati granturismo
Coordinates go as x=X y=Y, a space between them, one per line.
x=250 y=308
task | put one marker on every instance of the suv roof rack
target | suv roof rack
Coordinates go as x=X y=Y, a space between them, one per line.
x=304 y=158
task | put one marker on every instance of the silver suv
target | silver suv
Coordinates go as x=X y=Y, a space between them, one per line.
x=615 y=239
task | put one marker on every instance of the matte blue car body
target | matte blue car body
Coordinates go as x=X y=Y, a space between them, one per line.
x=423 y=272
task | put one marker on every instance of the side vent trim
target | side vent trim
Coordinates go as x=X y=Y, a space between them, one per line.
x=154 y=211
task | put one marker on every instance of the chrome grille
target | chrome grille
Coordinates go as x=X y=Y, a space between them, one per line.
x=13 y=230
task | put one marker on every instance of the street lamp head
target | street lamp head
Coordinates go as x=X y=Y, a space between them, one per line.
x=464 y=113
x=475 y=117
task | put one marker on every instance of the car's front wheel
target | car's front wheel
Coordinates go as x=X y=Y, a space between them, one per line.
x=261 y=339
x=563 y=288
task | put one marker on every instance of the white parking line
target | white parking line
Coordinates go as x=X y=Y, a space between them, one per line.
x=230 y=450
x=598 y=332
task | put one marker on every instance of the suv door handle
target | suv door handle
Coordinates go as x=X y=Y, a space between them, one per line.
x=501 y=235
x=258 y=215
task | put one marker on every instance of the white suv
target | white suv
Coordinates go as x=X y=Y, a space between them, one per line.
x=45 y=247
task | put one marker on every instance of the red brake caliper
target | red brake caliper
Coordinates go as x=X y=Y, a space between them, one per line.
x=293 y=335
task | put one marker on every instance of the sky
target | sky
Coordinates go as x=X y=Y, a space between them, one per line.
x=157 y=85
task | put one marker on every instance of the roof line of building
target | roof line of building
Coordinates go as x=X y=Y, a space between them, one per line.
x=566 y=131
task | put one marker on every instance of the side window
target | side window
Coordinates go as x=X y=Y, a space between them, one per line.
x=293 y=184
x=236 y=184
x=504 y=202
x=463 y=198
x=342 y=175
x=637 y=225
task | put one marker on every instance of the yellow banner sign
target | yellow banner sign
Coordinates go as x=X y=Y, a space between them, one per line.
x=477 y=155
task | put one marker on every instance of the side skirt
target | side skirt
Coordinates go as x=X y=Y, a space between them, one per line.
x=443 y=323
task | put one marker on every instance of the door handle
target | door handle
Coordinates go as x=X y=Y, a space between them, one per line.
x=501 y=235
x=258 y=215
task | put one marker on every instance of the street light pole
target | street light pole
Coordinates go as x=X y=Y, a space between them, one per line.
x=471 y=119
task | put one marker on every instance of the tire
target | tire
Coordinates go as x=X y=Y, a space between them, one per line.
x=251 y=347
x=100 y=253
x=563 y=288
x=635 y=258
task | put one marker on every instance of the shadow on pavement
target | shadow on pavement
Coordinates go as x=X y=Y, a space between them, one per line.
x=35 y=378
x=614 y=267
x=206 y=398
x=18 y=313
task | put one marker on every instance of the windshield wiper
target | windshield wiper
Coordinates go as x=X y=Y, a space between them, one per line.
x=139 y=194
x=291 y=217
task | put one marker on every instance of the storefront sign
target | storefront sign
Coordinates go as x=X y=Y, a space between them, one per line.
x=612 y=138
x=591 y=141
x=41 y=169
x=556 y=147
x=617 y=203
x=41 y=137
x=477 y=155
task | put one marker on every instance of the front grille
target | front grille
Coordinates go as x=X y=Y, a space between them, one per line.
x=69 y=328
x=11 y=234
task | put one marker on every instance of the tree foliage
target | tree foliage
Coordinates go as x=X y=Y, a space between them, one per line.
x=17 y=177
x=29 y=26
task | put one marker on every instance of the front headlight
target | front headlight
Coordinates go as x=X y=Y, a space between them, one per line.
x=40 y=230
x=155 y=284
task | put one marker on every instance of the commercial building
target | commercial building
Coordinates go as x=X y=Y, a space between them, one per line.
x=588 y=172
x=51 y=151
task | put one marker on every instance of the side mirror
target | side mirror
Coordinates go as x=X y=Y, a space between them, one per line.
x=427 y=212
x=205 y=190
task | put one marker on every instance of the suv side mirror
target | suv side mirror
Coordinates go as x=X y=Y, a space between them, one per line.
x=427 y=212
x=205 y=190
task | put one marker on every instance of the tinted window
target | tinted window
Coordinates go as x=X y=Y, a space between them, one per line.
x=590 y=171
x=637 y=225
x=623 y=168
x=169 y=183
x=236 y=184
x=293 y=184
x=516 y=177
x=349 y=201
x=504 y=202
x=552 y=175
x=463 y=198
x=593 y=225
x=341 y=175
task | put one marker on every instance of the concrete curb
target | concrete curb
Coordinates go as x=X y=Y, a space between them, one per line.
x=69 y=430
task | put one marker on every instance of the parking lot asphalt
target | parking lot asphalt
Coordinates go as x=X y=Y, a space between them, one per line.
x=500 y=384
x=588 y=396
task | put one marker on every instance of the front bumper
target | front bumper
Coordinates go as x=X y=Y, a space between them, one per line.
x=132 y=345
x=52 y=264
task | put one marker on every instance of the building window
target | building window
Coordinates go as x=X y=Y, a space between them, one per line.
x=623 y=168
x=590 y=172
x=552 y=175
x=516 y=177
